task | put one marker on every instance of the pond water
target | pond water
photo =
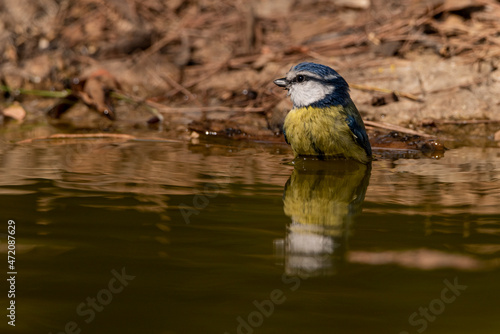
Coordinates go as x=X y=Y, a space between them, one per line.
x=166 y=237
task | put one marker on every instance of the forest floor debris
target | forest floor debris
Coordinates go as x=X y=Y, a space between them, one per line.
x=426 y=68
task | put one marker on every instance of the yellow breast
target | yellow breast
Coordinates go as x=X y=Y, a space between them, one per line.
x=322 y=132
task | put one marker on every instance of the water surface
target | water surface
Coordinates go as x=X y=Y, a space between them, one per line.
x=161 y=237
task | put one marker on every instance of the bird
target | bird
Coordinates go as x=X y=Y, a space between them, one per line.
x=324 y=121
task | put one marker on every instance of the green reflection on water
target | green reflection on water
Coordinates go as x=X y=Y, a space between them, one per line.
x=83 y=210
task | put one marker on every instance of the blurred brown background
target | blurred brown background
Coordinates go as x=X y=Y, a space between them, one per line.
x=208 y=65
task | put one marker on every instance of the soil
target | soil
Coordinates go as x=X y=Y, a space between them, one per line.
x=422 y=73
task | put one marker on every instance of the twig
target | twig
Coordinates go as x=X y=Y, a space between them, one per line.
x=471 y=121
x=397 y=128
x=79 y=136
x=475 y=81
x=164 y=109
x=385 y=90
x=146 y=104
x=179 y=87
x=199 y=79
x=168 y=38
x=37 y=92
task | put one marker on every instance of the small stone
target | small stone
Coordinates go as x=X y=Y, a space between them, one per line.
x=43 y=43
x=15 y=111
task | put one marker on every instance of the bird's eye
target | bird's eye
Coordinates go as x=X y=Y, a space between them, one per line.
x=300 y=78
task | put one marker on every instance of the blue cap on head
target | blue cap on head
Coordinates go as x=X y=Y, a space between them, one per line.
x=329 y=76
x=320 y=69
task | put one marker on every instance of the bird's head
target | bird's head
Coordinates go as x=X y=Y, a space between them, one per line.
x=311 y=84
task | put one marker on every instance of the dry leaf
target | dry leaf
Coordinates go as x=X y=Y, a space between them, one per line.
x=497 y=135
x=15 y=111
x=96 y=92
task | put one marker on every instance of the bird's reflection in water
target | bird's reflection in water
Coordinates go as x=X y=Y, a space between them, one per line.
x=321 y=198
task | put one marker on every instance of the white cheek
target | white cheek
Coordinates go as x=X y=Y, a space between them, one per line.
x=309 y=92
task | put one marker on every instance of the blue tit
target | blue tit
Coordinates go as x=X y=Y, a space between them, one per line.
x=324 y=122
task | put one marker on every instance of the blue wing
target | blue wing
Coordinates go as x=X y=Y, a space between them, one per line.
x=284 y=134
x=358 y=129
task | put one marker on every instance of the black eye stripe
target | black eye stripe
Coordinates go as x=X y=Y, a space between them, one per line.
x=305 y=78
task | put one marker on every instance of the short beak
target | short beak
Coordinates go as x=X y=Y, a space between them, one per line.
x=281 y=82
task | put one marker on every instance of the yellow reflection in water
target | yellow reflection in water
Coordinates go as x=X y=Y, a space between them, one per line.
x=321 y=199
